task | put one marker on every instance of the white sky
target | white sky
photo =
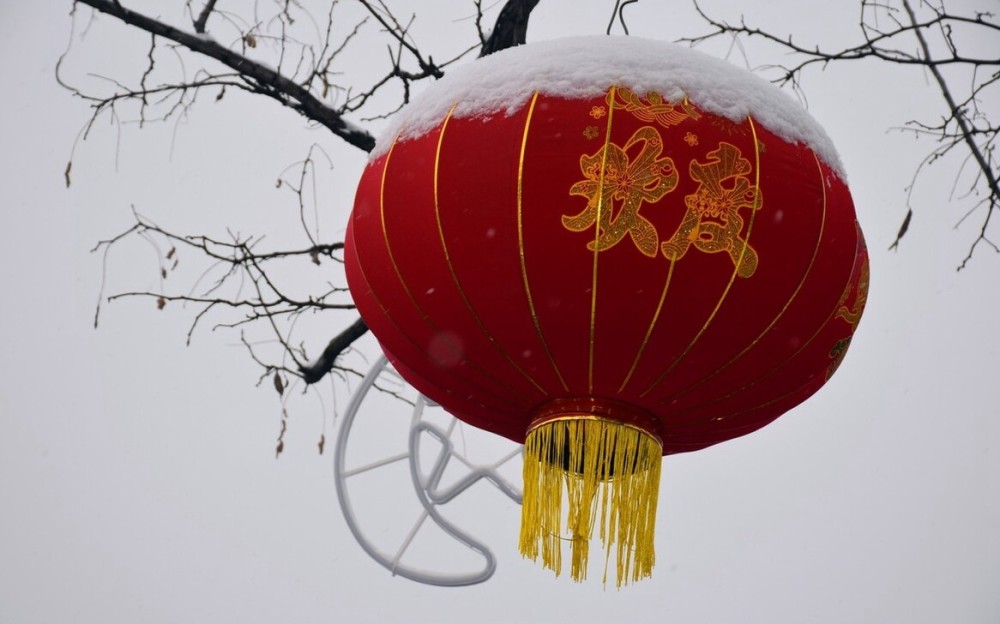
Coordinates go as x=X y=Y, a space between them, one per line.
x=137 y=476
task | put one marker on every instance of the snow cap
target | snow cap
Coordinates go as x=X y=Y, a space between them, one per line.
x=585 y=67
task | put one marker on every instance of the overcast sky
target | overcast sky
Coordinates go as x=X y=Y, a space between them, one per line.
x=138 y=479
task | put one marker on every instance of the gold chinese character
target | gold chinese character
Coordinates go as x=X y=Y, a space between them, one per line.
x=713 y=222
x=616 y=187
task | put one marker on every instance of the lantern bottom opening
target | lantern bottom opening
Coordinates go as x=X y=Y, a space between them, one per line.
x=608 y=474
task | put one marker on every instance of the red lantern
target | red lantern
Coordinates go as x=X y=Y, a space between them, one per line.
x=609 y=271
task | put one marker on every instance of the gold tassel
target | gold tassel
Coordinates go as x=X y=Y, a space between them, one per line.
x=608 y=471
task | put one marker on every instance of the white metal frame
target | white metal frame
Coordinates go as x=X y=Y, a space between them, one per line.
x=427 y=487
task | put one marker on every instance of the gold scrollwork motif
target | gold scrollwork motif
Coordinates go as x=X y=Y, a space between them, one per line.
x=652 y=107
x=611 y=177
x=713 y=222
x=852 y=314
x=837 y=353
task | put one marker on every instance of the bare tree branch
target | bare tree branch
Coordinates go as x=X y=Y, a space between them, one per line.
x=619 y=12
x=887 y=31
x=264 y=80
x=511 y=28
x=967 y=133
x=199 y=24
x=401 y=34
x=311 y=373
x=237 y=275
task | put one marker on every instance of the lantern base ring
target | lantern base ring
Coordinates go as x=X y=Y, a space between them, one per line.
x=597 y=409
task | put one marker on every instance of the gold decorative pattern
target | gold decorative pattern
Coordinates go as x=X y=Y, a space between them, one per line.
x=652 y=107
x=852 y=313
x=591 y=132
x=612 y=177
x=713 y=221
x=691 y=139
x=598 y=111
x=726 y=126
x=837 y=353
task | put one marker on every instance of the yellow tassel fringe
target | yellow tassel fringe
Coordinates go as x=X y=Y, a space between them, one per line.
x=609 y=473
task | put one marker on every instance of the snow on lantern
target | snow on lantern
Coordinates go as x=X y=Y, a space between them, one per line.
x=610 y=249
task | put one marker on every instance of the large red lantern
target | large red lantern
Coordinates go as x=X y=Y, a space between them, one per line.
x=612 y=250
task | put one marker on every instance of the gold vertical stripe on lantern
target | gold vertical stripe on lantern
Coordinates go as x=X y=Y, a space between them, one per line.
x=609 y=474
